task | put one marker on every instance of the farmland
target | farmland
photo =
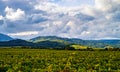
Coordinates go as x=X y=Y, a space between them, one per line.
x=44 y=60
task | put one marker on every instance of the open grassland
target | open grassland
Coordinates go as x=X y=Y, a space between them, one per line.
x=38 y=60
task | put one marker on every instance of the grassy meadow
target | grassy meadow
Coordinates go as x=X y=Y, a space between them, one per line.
x=43 y=60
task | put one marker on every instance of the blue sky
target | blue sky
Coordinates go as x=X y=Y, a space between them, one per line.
x=84 y=19
x=74 y=2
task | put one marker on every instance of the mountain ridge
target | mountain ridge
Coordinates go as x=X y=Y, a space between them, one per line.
x=4 y=37
x=57 y=42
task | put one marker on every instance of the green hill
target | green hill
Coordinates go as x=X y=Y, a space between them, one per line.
x=71 y=41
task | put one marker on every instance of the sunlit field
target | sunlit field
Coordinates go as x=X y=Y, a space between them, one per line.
x=41 y=60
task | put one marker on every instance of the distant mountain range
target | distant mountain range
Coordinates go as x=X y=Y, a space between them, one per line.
x=4 y=37
x=56 y=42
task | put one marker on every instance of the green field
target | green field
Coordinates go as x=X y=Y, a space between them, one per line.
x=39 y=60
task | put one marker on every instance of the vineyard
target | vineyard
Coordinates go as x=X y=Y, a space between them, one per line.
x=41 y=60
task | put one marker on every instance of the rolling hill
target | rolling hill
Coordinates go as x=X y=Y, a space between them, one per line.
x=90 y=43
x=24 y=43
x=56 y=39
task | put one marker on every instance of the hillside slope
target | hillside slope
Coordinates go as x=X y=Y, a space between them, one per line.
x=4 y=37
x=90 y=43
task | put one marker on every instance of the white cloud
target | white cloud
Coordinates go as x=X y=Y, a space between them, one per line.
x=27 y=33
x=104 y=5
x=55 y=8
x=107 y=5
x=14 y=15
x=84 y=33
x=57 y=23
x=1 y=17
x=46 y=6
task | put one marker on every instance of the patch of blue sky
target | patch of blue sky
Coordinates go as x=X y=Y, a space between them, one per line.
x=72 y=3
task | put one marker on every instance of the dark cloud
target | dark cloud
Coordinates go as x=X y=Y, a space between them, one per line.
x=116 y=16
x=19 y=26
x=84 y=17
x=37 y=18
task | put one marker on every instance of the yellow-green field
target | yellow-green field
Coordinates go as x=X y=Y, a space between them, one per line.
x=38 y=60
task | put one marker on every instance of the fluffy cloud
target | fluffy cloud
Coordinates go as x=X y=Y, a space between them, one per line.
x=51 y=7
x=1 y=17
x=14 y=15
x=49 y=17
x=109 y=8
